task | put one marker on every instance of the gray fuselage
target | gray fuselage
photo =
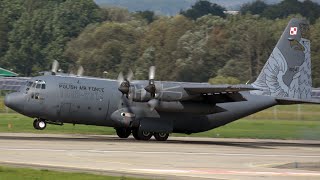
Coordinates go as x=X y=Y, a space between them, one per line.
x=92 y=101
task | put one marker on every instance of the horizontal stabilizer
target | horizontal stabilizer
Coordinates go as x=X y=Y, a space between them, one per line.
x=207 y=88
x=12 y=83
x=290 y=101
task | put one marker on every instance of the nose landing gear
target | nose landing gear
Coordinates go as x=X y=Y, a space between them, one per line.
x=123 y=132
x=39 y=124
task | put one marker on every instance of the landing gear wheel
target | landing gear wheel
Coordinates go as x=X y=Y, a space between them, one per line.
x=141 y=135
x=161 y=136
x=123 y=132
x=135 y=134
x=39 y=124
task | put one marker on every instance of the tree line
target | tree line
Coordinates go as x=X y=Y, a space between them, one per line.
x=190 y=46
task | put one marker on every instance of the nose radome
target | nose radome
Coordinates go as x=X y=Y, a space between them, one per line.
x=14 y=101
x=7 y=100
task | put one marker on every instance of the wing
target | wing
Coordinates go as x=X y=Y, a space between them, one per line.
x=289 y=101
x=12 y=83
x=219 y=93
x=217 y=89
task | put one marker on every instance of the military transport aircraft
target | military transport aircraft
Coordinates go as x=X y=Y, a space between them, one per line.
x=146 y=108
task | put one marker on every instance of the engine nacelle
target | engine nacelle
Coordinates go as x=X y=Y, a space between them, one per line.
x=166 y=94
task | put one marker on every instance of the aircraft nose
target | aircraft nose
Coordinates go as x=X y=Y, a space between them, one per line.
x=14 y=101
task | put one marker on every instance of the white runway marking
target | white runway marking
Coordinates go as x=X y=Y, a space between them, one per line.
x=161 y=152
x=228 y=172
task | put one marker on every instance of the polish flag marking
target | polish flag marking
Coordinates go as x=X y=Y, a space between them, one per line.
x=293 y=31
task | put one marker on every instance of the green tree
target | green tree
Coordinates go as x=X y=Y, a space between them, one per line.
x=149 y=16
x=224 y=80
x=203 y=7
x=250 y=43
x=109 y=46
x=310 y=10
x=315 y=53
x=256 y=7
x=163 y=35
x=40 y=34
x=10 y=12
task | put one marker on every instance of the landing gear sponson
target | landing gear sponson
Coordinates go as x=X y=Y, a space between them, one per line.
x=141 y=135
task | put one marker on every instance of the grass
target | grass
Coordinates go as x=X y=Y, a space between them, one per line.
x=13 y=122
x=9 y=173
x=244 y=128
x=267 y=129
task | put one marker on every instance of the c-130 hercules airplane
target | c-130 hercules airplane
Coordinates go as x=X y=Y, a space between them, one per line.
x=146 y=108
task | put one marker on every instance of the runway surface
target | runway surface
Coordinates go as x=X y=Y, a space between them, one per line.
x=177 y=158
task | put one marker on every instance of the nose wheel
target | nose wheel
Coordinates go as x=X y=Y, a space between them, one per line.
x=123 y=132
x=39 y=124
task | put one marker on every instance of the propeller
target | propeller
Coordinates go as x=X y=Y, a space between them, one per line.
x=151 y=88
x=124 y=83
x=153 y=103
x=80 y=71
x=124 y=87
x=55 y=67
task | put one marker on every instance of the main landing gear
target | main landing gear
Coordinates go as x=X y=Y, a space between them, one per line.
x=141 y=135
x=39 y=124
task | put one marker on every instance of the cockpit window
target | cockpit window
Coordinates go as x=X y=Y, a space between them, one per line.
x=38 y=86
x=29 y=83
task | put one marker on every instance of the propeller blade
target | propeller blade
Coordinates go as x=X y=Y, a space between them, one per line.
x=152 y=72
x=143 y=94
x=153 y=103
x=130 y=75
x=55 y=66
x=120 y=78
x=80 y=71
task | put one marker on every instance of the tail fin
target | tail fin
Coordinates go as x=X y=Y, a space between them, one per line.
x=287 y=73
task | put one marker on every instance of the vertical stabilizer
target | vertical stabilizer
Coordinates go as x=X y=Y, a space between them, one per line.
x=287 y=72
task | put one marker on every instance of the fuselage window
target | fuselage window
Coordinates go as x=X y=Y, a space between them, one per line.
x=43 y=86
x=34 y=85
x=38 y=86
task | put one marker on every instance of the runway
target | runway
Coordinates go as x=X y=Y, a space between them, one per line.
x=177 y=158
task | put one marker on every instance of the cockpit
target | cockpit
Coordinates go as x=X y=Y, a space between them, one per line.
x=36 y=84
x=35 y=87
